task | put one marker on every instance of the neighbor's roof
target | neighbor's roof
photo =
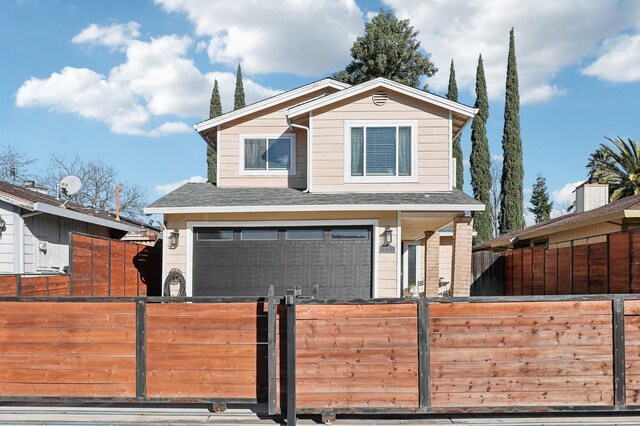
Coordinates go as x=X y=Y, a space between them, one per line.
x=38 y=202
x=628 y=207
x=207 y=198
x=269 y=102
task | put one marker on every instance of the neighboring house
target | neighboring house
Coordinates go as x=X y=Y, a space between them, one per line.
x=593 y=218
x=326 y=184
x=35 y=227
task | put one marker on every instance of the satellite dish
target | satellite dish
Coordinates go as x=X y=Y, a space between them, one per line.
x=70 y=185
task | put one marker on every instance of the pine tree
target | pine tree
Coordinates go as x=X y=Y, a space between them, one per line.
x=540 y=200
x=452 y=94
x=238 y=100
x=215 y=110
x=480 y=159
x=511 y=195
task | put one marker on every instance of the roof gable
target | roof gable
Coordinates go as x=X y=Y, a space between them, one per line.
x=270 y=102
x=384 y=83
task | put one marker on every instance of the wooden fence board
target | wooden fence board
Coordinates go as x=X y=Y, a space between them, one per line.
x=619 y=263
x=550 y=271
x=527 y=271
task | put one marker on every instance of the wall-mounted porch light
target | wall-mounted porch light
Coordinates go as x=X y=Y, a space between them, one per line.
x=3 y=225
x=388 y=236
x=174 y=239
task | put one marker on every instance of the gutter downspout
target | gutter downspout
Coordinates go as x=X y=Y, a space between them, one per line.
x=309 y=147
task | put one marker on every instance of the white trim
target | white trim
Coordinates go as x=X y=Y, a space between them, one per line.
x=318 y=208
x=267 y=172
x=269 y=102
x=310 y=154
x=387 y=84
x=18 y=234
x=18 y=202
x=348 y=124
x=450 y=136
x=165 y=248
x=374 y=223
x=218 y=156
x=70 y=214
x=398 y=252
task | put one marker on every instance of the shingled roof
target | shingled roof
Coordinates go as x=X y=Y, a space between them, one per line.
x=205 y=197
x=32 y=200
x=623 y=208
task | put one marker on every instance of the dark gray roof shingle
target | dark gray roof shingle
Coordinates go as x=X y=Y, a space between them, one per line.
x=208 y=195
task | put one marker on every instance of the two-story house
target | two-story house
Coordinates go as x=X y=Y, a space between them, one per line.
x=329 y=184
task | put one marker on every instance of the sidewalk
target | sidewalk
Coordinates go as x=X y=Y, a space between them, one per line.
x=15 y=414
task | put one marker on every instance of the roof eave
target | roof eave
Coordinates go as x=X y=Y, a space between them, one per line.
x=82 y=217
x=274 y=100
x=315 y=208
x=389 y=84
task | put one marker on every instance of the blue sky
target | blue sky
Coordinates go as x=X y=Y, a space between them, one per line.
x=123 y=81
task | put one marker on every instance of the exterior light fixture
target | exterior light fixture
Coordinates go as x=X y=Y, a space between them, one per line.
x=388 y=236
x=174 y=239
x=3 y=225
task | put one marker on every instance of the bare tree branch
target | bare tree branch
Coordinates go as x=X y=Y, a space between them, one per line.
x=14 y=164
x=496 y=175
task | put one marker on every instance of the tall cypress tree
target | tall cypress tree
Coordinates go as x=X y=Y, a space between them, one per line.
x=511 y=194
x=238 y=100
x=452 y=94
x=215 y=110
x=480 y=159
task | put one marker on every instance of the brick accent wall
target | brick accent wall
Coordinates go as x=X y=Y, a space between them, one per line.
x=461 y=261
x=431 y=263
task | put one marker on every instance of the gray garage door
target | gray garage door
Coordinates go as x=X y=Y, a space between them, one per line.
x=245 y=262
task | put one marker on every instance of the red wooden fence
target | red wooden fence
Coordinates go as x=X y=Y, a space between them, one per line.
x=607 y=264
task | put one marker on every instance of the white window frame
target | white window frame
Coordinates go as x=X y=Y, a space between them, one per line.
x=348 y=124
x=267 y=172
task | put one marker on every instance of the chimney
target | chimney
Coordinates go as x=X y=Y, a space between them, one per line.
x=590 y=196
x=118 y=202
x=29 y=183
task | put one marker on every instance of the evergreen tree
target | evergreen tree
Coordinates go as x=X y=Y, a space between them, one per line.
x=480 y=159
x=238 y=99
x=452 y=94
x=215 y=110
x=540 y=200
x=511 y=195
x=390 y=49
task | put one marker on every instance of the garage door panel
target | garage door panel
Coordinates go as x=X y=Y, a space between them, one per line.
x=341 y=267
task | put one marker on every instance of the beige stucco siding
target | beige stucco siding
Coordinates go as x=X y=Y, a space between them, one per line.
x=386 y=262
x=433 y=150
x=270 y=122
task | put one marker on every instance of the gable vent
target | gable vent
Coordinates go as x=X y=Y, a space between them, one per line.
x=380 y=98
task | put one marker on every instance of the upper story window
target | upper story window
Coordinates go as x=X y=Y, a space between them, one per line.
x=266 y=155
x=380 y=151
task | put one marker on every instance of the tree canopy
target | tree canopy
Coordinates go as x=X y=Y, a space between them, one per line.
x=540 y=204
x=215 y=110
x=452 y=94
x=238 y=99
x=617 y=165
x=390 y=49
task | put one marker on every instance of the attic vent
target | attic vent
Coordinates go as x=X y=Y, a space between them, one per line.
x=379 y=98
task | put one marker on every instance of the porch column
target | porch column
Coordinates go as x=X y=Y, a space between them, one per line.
x=461 y=256
x=431 y=263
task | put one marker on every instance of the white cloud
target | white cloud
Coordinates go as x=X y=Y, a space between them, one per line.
x=113 y=36
x=565 y=196
x=88 y=94
x=157 y=79
x=550 y=35
x=620 y=60
x=303 y=37
x=167 y=188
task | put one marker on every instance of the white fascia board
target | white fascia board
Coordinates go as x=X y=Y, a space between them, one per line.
x=387 y=84
x=70 y=214
x=318 y=208
x=18 y=202
x=269 y=102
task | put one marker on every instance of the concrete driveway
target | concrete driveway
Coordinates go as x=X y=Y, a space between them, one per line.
x=21 y=414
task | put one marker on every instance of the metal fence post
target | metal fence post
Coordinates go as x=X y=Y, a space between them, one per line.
x=290 y=300
x=424 y=385
x=141 y=349
x=18 y=285
x=619 y=365
x=271 y=349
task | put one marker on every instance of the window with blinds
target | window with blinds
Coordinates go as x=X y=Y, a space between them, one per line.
x=268 y=154
x=381 y=151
